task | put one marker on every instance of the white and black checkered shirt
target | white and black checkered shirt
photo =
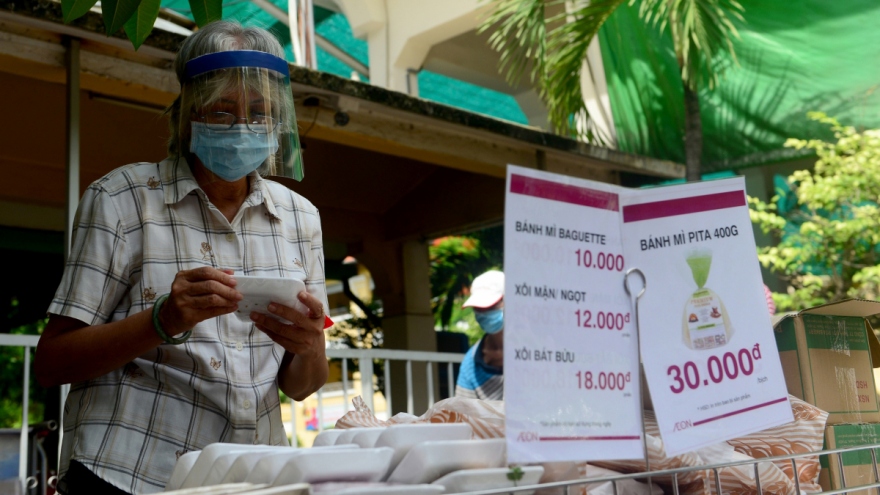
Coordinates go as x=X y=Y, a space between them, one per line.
x=134 y=230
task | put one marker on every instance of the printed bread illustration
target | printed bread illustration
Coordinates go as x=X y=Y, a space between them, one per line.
x=706 y=324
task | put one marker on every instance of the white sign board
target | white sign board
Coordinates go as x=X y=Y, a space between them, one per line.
x=570 y=353
x=708 y=348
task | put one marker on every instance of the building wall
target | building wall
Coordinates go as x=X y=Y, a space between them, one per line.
x=33 y=151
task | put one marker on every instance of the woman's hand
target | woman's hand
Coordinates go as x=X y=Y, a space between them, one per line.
x=304 y=366
x=305 y=337
x=197 y=295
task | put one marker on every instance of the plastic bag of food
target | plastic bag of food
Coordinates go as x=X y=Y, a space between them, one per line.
x=804 y=434
x=486 y=418
x=706 y=324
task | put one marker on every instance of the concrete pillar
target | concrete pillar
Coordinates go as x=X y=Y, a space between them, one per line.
x=401 y=273
x=401 y=32
x=534 y=108
x=72 y=140
x=368 y=21
x=413 y=304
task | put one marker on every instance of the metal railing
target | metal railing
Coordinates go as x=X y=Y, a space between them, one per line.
x=32 y=481
x=366 y=358
x=566 y=486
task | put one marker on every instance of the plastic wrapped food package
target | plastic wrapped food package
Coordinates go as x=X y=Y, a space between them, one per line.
x=705 y=323
x=805 y=434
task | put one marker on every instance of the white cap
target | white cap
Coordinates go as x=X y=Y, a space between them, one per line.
x=486 y=290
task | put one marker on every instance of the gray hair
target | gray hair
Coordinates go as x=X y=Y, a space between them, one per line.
x=218 y=36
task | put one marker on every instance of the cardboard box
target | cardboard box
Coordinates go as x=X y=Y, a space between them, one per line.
x=828 y=356
x=857 y=466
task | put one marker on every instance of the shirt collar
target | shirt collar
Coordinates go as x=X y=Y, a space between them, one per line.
x=178 y=182
x=262 y=186
x=177 y=179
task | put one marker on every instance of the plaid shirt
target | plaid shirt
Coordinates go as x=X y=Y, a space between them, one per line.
x=135 y=229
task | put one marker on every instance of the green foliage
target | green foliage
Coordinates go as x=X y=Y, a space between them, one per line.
x=828 y=247
x=357 y=332
x=700 y=29
x=567 y=47
x=205 y=11
x=137 y=16
x=515 y=474
x=12 y=379
x=462 y=320
x=73 y=9
x=549 y=40
x=117 y=12
x=361 y=333
x=455 y=261
x=521 y=36
x=141 y=23
x=541 y=38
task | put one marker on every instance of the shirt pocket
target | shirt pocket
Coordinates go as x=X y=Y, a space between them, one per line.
x=277 y=255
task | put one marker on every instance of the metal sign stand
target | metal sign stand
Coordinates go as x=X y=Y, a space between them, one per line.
x=642 y=385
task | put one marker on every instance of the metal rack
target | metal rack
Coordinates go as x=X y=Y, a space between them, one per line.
x=714 y=469
x=567 y=486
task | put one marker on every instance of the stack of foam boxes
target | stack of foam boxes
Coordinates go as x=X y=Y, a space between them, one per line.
x=828 y=355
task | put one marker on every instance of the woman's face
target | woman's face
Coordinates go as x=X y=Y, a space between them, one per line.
x=244 y=107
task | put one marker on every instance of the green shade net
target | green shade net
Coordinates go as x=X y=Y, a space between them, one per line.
x=249 y=14
x=794 y=57
x=452 y=92
x=432 y=86
x=336 y=29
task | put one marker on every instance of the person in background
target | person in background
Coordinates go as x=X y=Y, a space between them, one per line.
x=481 y=375
x=143 y=324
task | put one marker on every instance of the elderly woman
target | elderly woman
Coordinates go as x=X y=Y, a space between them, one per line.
x=142 y=323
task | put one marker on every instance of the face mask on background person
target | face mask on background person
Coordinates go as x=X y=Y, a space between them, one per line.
x=491 y=321
x=231 y=153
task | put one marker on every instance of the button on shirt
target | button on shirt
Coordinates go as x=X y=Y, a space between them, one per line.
x=134 y=230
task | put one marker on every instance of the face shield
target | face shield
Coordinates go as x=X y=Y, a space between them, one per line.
x=237 y=115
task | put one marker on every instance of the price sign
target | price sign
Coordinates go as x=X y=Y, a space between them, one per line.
x=571 y=385
x=708 y=348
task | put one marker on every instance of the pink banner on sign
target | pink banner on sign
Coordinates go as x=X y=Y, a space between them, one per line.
x=683 y=206
x=597 y=438
x=740 y=411
x=565 y=193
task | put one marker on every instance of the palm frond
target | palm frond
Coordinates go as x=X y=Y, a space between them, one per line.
x=700 y=29
x=566 y=50
x=519 y=34
x=550 y=48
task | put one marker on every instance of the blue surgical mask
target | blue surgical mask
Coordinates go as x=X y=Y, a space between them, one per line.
x=491 y=321
x=231 y=153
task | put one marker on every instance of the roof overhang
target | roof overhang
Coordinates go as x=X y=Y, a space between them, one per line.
x=398 y=165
